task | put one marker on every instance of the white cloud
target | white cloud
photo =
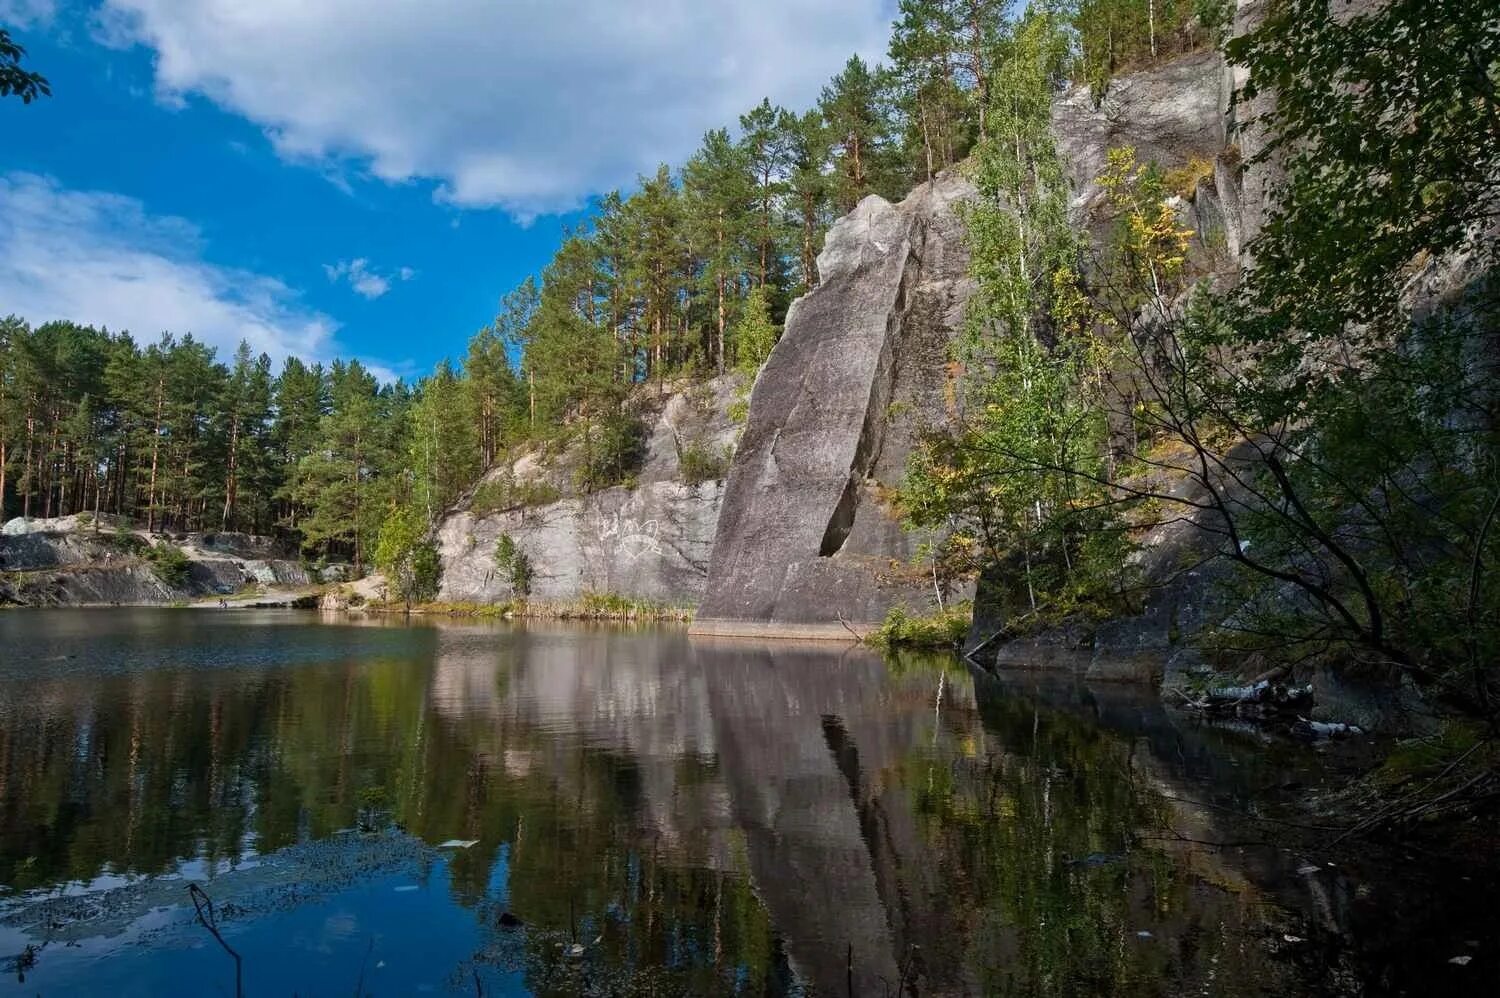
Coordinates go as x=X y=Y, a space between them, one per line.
x=531 y=105
x=99 y=258
x=26 y=13
x=365 y=279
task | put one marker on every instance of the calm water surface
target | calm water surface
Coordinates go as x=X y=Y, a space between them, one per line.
x=449 y=808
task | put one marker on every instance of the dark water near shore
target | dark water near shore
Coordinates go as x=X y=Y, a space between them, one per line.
x=448 y=808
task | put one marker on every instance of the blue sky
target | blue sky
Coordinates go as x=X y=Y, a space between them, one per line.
x=358 y=177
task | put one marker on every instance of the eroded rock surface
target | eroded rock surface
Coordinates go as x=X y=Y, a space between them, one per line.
x=650 y=541
x=806 y=545
x=70 y=560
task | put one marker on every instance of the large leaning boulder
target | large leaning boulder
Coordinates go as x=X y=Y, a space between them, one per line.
x=807 y=544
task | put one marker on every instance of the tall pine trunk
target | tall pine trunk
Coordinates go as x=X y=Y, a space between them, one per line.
x=231 y=483
x=155 y=455
x=28 y=475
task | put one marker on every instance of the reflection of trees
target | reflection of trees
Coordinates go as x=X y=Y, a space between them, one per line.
x=672 y=801
x=1035 y=821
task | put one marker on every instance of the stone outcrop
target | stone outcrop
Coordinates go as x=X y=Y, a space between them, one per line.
x=67 y=561
x=1170 y=114
x=807 y=545
x=649 y=540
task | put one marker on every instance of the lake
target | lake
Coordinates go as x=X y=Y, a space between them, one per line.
x=376 y=807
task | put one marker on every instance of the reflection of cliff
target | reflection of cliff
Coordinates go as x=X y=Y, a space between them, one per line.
x=801 y=746
x=806 y=745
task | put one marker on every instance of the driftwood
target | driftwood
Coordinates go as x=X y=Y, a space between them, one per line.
x=1263 y=698
x=209 y=919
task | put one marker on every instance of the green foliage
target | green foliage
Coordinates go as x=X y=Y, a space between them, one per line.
x=169 y=563
x=1117 y=36
x=613 y=450
x=503 y=493
x=944 y=628
x=859 y=127
x=515 y=564
x=941 y=53
x=408 y=558
x=698 y=463
x=128 y=541
x=340 y=482
x=755 y=334
x=1339 y=450
x=15 y=81
x=1014 y=474
x=443 y=445
x=1339 y=83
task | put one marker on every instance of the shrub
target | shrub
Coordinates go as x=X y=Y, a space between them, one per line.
x=613 y=450
x=169 y=564
x=505 y=493
x=128 y=541
x=516 y=564
x=1183 y=181
x=409 y=559
x=698 y=463
x=944 y=629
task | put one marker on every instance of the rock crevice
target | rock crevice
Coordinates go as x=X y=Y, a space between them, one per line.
x=804 y=547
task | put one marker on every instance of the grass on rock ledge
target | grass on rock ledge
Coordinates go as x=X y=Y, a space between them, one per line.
x=589 y=606
x=945 y=628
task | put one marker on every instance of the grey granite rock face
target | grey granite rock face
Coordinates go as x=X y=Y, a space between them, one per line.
x=649 y=542
x=1169 y=114
x=66 y=562
x=806 y=546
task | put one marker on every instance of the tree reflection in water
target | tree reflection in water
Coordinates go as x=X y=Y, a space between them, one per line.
x=699 y=817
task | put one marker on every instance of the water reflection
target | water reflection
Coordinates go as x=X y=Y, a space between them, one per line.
x=661 y=816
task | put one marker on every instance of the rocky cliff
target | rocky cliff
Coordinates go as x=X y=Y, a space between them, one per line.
x=807 y=544
x=647 y=540
x=72 y=561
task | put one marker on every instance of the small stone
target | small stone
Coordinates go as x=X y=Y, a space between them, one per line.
x=576 y=950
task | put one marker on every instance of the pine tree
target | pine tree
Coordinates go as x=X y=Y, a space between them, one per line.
x=923 y=75
x=718 y=189
x=301 y=403
x=809 y=187
x=576 y=360
x=334 y=476
x=860 y=130
x=767 y=156
x=444 y=445
x=660 y=269
x=244 y=415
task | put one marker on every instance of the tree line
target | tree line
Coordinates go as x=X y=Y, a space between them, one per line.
x=91 y=422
